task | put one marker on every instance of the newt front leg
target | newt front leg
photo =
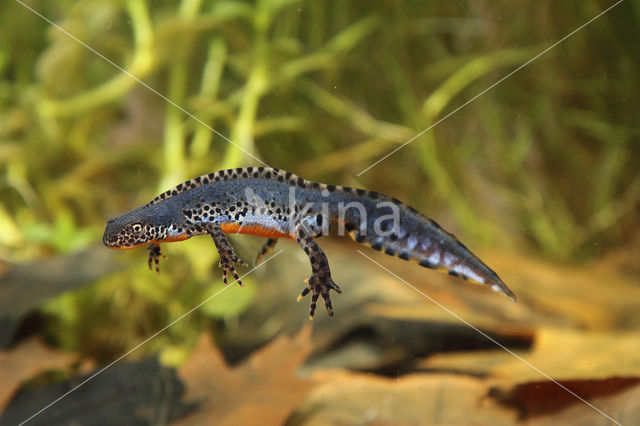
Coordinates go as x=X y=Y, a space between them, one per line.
x=154 y=256
x=320 y=282
x=227 y=255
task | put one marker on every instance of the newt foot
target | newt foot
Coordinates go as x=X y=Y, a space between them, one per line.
x=227 y=261
x=319 y=285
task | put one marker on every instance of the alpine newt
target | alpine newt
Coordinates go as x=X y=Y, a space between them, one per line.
x=273 y=203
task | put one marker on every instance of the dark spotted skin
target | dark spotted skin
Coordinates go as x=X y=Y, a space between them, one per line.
x=155 y=252
x=277 y=204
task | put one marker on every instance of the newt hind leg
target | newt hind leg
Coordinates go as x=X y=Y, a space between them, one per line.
x=227 y=256
x=320 y=283
x=267 y=247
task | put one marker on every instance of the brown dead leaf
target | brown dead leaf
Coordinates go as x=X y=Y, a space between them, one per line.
x=624 y=407
x=549 y=295
x=265 y=387
x=416 y=399
x=26 y=361
x=587 y=296
x=562 y=354
x=536 y=399
x=590 y=364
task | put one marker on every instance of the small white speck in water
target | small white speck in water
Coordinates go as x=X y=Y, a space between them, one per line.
x=371 y=414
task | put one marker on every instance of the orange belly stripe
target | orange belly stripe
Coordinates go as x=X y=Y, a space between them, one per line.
x=180 y=237
x=257 y=230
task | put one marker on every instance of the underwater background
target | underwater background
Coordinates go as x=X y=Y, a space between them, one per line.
x=514 y=125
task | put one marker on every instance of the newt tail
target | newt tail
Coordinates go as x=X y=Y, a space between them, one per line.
x=276 y=204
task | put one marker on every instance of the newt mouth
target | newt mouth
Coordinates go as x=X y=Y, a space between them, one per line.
x=106 y=241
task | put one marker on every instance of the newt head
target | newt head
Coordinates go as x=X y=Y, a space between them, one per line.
x=140 y=227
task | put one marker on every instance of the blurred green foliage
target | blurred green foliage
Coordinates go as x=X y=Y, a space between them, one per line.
x=546 y=161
